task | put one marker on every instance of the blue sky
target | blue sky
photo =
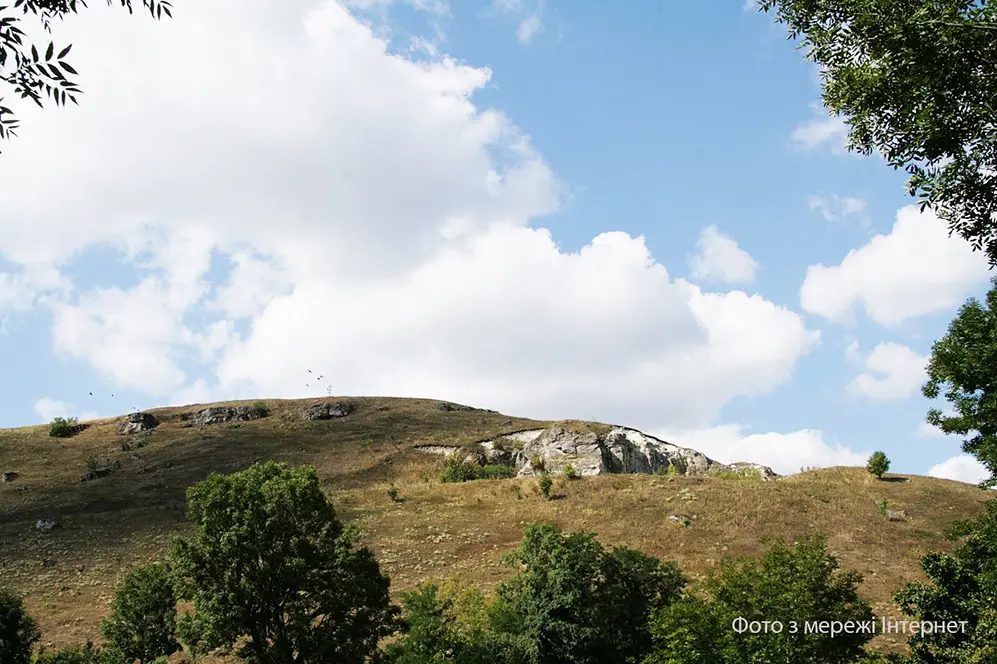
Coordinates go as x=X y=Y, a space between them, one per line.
x=553 y=209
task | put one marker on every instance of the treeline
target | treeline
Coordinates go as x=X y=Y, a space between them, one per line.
x=275 y=577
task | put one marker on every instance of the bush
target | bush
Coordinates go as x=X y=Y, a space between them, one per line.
x=260 y=409
x=455 y=470
x=570 y=472
x=18 y=631
x=87 y=654
x=791 y=583
x=62 y=427
x=537 y=463
x=878 y=464
x=545 y=485
x=92 y=463
x=392 y=492
x=143 y=620
x=574 y=602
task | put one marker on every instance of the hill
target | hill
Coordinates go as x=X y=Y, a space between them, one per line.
x=132 y=500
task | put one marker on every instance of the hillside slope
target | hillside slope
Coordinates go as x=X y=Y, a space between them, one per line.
x=105 y=525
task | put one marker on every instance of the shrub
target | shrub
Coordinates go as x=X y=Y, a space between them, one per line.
x=570 y=472
x=393 y=492
x=537 y=463
x=878 y=464
x=791 y=583
x=92 y=463
x=545 y=485
x=494 y=471
x=87 y=654
x=143 y=620
x=18 y=631
x=884 y=507
x=574 y=602
x=744 y=473
x=62 y=427
x=456 y=470
x=260 y=409
x=672 y=471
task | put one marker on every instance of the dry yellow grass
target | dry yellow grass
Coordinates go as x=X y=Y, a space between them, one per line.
x=127 y=518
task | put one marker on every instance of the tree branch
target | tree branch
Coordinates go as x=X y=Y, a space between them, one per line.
x=977 y=26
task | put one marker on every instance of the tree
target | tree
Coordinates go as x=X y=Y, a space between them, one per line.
x=790 y=583
x=88 y=654
x=914 y=80
x=18 y=631
x=963 y=587
x=961 y=369
x=37 y=70
x=143 y=620
x=878 y=464
x=577 y=603
x=450 y=623
x=272 y=567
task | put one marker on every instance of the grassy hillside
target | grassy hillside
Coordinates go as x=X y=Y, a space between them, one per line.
x=112 y=523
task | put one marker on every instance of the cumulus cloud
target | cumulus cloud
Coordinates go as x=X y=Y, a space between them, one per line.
x=925 y=430
x=293 y=195
x=785 y=453
x=48 y=409
x=529 y=13
x=892 y=371
x=881 y=277
x=962 y=468
x=719 y=259
x=836 y=208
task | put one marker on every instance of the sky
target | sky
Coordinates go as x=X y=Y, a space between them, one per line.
x=638 y=214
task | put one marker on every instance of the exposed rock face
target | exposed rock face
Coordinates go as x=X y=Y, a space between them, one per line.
x=9 y=476
x=327 y=411
x=137 y=422
x=621 y=450
x=219 y=414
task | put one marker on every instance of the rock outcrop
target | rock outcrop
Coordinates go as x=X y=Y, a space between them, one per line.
x=9 y=476
x=621 y=450
x=136 y=423
x=327 y=411
x=219 y=414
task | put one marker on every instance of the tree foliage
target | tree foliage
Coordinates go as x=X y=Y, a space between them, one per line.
x=143 y=620
x=878 y=464
x=963 y=586
x=272 y=567
x=914 y=80
x=575 y=602
x=18 y=631
x=961 y=369
x=37 y=71
x=790 y=582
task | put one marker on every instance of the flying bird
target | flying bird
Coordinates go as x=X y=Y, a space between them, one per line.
x=91 y=394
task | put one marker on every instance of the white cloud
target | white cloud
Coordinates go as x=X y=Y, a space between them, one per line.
x=821 y=130
x=892 y=371
x=925 y=430
x=528 y=12
x=836 y=208
x=529 y=28
x=915 y=270
x=719 y=259
x=49 y=409
x=379 y=224
x=962 y=468
x=785 y=453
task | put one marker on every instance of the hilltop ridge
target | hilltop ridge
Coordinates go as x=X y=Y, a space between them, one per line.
x=132 y=499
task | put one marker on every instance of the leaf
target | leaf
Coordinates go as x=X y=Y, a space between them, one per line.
x=64 y=52
x=49 y=51
x=34 y=53
x=68 y=68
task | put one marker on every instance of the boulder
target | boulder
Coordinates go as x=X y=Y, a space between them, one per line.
x=327 y=411
x=137 y=422
x=455 y=407
x=9 y=476
x=45 y=525
x=899 y=515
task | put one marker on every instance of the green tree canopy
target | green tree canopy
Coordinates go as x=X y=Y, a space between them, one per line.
x=576 y=603
x=143 y=619
x=18 y=631
x=878 y=464
x=962 y=370
x=40 y=71
x=914 y=80
x=790 y=583
x=963 y=587
x=270 y=563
